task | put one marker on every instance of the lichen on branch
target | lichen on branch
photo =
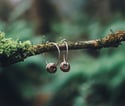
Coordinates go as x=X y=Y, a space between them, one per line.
x=13 y=51
x=10 y=48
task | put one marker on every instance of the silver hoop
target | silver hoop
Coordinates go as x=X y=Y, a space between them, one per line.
x=65 y=55
x=55 y=44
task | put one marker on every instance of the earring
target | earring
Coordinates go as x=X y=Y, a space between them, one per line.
x=65 y=66
x=52 y=67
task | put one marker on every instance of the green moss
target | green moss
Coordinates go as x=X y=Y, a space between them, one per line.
x=9 y=46
x=2 y=35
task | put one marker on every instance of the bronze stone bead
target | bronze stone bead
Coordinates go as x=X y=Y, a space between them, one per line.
x=51 y=67
x=65 y=66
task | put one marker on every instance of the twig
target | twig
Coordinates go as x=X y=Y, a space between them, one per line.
x=112 y=40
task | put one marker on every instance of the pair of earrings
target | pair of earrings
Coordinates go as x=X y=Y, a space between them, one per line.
x=64 y=65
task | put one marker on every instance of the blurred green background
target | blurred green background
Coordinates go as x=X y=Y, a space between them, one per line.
x=96 y=78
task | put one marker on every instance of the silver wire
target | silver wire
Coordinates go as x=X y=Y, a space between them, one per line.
x=58 y=52
x=65 y=56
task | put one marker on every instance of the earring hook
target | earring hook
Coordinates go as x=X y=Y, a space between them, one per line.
x=55 y=44
x=65 y=56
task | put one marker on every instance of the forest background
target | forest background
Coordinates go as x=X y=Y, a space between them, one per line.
x=96 y=77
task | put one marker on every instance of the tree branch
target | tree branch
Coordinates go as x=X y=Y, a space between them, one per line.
x=111 y=40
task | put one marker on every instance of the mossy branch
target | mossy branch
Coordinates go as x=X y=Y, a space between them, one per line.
x=15 y=51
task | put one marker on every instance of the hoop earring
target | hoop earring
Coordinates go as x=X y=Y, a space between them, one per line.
x=65 y=66
x=52 y=67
